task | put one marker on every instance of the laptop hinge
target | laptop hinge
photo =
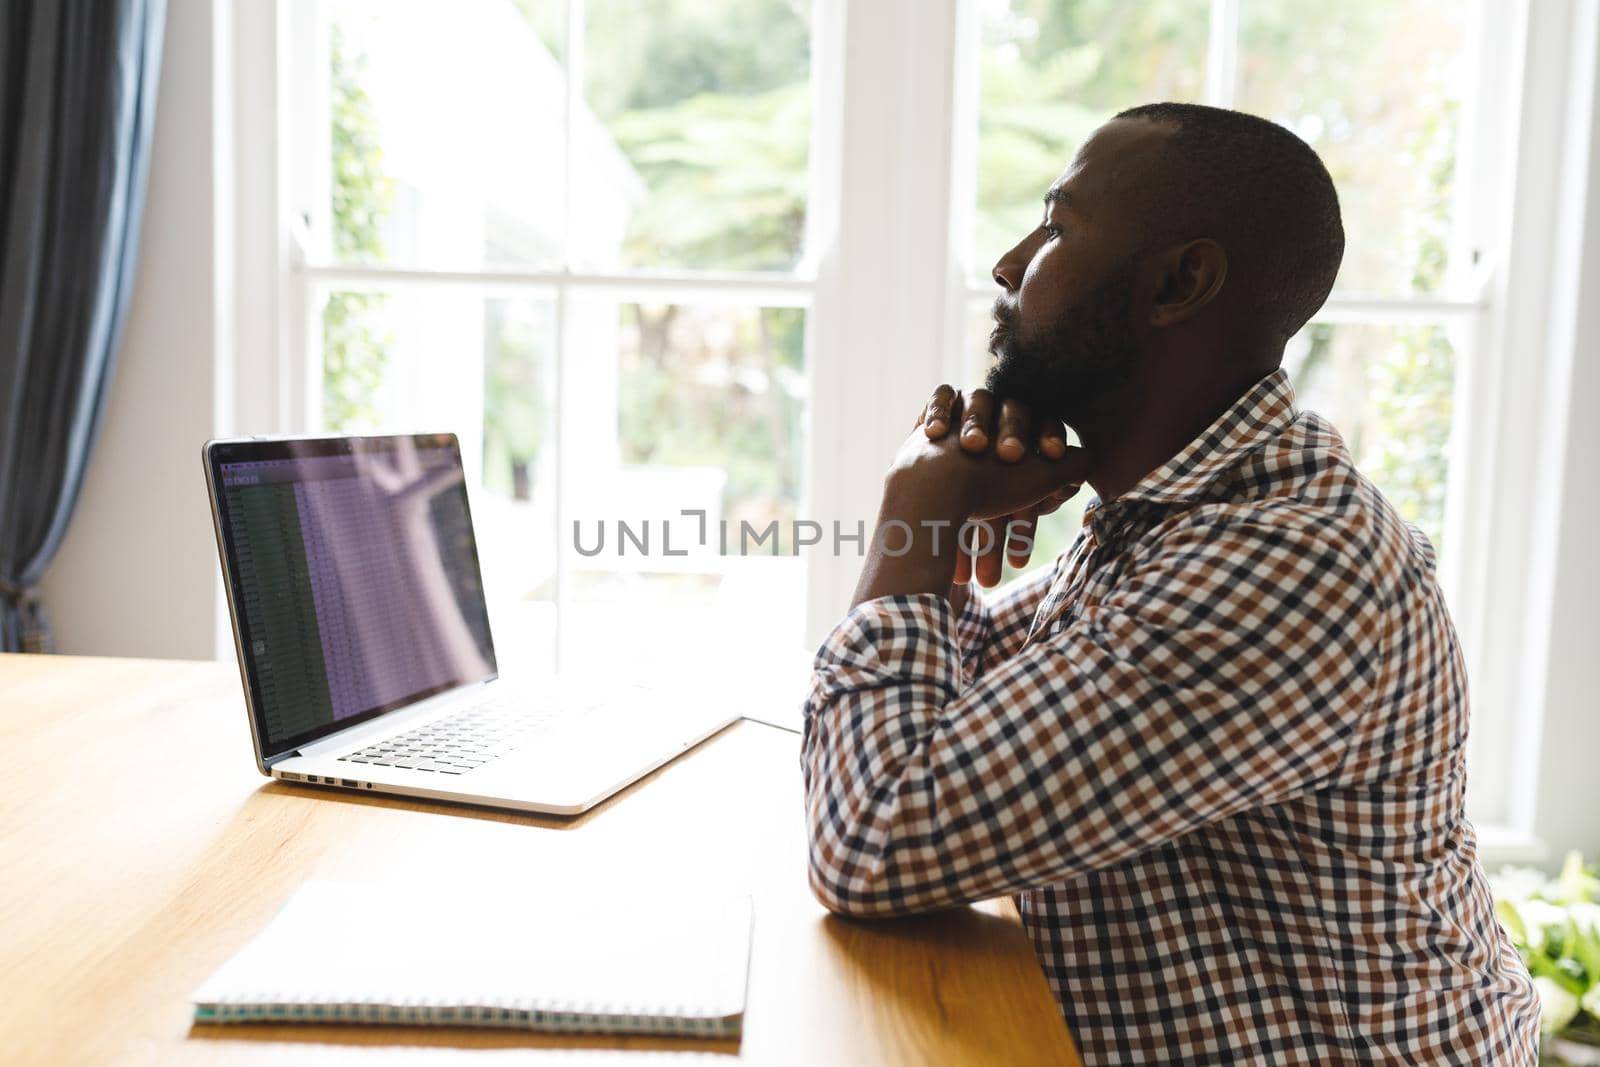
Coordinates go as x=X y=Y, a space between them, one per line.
x=280 y=757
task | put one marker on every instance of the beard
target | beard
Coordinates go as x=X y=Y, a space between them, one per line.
x=1066 y=367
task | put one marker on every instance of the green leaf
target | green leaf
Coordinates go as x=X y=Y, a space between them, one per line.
x=1564 y=972
x=1506 y=911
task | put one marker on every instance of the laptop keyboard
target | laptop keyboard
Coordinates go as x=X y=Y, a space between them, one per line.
x=461 y=742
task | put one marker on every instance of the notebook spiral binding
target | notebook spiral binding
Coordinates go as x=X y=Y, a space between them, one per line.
x=570 y=1017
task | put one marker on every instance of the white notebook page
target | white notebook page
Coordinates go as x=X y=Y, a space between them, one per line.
x=338 y=943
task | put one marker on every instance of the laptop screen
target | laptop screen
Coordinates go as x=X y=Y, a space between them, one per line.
x=354 y=578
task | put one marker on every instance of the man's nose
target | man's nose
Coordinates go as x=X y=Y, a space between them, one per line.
x=1013 y=265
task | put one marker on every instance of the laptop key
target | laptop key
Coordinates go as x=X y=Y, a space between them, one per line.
x=462 y=742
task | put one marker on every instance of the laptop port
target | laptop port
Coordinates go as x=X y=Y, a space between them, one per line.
x=349 y=782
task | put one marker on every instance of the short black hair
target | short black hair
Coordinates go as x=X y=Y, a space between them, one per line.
x=1260 y=192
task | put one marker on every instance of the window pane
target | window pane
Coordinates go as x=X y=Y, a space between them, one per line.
x=1376 y=89
x=1389 y=391
x=453 y=360
x=446 y=127
x=677 y=408
x=516 y=510
x=700 y=116
x=1052 y=71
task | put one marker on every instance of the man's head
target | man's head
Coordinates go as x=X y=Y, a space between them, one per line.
x=1181 y=237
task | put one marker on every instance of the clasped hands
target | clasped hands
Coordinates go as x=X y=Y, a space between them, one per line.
x=1001 y=467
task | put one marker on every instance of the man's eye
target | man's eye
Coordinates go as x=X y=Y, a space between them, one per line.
x=1050 y=231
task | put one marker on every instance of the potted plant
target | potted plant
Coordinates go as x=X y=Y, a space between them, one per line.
x=1555 y=924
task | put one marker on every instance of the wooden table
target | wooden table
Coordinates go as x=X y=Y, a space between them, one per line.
x=127 y=880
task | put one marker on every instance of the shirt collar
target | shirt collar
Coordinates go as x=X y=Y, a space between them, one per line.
x=1258 y=416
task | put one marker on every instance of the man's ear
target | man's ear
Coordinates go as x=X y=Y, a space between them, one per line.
x=1191 y=277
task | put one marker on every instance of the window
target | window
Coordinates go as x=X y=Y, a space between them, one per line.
x=574 y=234
x=650 y=258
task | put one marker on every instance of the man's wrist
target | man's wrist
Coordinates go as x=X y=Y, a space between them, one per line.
x=913 y=548
x=907 y=498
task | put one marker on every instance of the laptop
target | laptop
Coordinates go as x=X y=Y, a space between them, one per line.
x=363 y=638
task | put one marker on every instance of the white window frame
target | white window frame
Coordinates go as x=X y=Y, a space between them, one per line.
x=887 y=283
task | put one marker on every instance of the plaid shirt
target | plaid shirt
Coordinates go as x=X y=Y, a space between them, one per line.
x=1217 y=755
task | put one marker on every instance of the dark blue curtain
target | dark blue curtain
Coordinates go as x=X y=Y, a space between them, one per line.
x=77 y=100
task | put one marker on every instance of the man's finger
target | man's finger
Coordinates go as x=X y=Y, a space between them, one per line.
x=1020 y=528
x=935 y=419
x=1013 y=431
x=977 y=423
x=989 y=552
x=963 y=568
x=1052 y=439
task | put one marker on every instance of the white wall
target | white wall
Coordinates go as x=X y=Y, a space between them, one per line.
x=137 y=574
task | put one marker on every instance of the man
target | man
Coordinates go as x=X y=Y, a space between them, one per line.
x=1216 y=753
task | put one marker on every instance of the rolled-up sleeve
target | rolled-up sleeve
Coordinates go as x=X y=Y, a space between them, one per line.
x=1225 y=671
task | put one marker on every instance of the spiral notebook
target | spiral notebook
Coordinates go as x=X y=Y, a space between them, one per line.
x=341 y=953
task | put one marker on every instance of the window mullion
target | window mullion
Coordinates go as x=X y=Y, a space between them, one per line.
x=777 y=290
x=880 y=326
x=1376 y=309
x=1222 y=53
x=573 y=74
x=966 y=92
